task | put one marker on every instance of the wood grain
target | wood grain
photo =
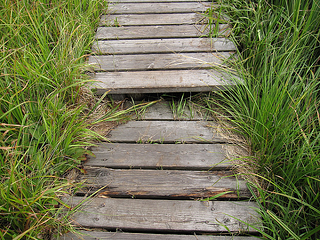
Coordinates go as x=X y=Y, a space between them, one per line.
x=151 y=19
x=94 y=235
x=168 y=184
x=165 y=215
x=166 y=132
x=163 y=46
x=151 y=32
x=160 y=81
x=155 y=156
x=158 y=61
x=169 y=7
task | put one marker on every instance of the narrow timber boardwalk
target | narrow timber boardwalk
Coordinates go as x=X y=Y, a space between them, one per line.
x=150 y=178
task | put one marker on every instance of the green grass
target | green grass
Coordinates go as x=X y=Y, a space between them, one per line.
x=276 y=108
x=45 y=113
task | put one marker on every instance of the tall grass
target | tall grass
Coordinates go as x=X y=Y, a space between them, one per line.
x=43 y=46
x=277 y=109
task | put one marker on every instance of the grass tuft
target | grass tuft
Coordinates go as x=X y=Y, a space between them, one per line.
x=276 y=108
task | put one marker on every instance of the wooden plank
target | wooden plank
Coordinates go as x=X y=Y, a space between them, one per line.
x=94 y=235
x=147 y=32
x=169 y=7
x=165 y=215
x=160 y=81
x=162 y=111
x=163 y=45
x=166 y=132
x=157 y=61
x=164 y=156
x=151 y=19
x=168 y=184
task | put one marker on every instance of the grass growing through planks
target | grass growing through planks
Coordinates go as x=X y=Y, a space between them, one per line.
x=277 y=109
x=44 y=116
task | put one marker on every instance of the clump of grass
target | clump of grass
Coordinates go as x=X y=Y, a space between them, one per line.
x=276 y=108
x=43 y=129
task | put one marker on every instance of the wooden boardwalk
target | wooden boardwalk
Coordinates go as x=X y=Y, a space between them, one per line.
x=150 y=178
x=159 y=46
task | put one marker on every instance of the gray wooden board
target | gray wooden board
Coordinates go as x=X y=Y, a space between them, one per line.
x=164 y=156
x=163 y=111
x=174 y=45
x=147 y=32
x=166 y=132
x=165 y=215
x=151 y=19
x=157 y=61
x=163 y=183
x=169 y=7
x=90 y=235
x=160 y=81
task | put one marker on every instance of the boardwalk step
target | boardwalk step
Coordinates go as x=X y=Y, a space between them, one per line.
x=174 y=45
x=163 y=110
x=166 y=132
x=168 y=184
x=93 y=235
x=158 y=7
x=158 y=61
x=165 y=215
x=164 y=156
x=147 y=32
x=161 y=81
x=151 y=19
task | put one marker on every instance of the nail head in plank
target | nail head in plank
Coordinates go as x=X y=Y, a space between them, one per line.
x=163 y=183
x=94 y=235
x=164 y=156
x=169 y=7
x=166 y=132
x=147 y=32
x=165 y=215
x=163 y=45
x=160 y=81
x=151 y=19
x=158 y=61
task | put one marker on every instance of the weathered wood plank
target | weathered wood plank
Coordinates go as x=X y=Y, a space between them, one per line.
x=166 y=132
x=160 y=81
x=163 y=45
x=164 y=156
x=151 y=19
x=89 y=235
x=165 y=215
x=157 y=61
x=162 y=111
x=147 y=32
x=169 y=7
x=166 y=184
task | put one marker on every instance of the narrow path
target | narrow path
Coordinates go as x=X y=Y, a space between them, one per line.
x=149 y=178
